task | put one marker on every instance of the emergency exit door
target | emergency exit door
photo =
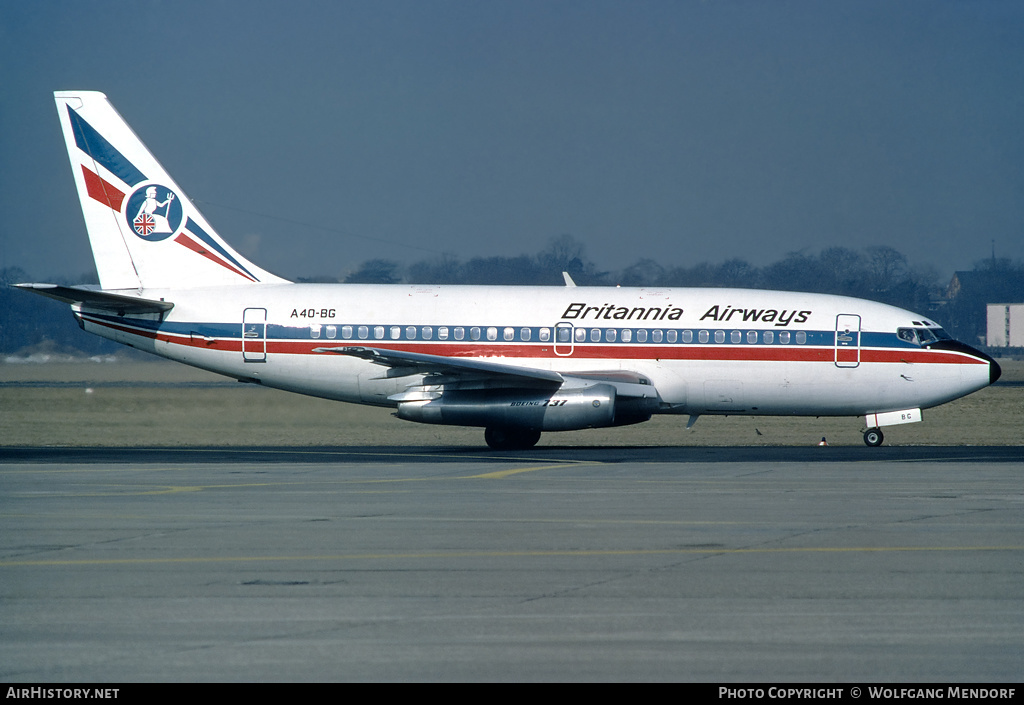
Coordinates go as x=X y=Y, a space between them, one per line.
x=847 y=340
x=254 y=335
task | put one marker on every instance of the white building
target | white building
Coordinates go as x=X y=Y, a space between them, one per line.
x=1005 y=325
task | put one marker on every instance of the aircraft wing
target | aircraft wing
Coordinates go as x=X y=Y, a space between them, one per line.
x=466 y=374
x=402 y=364
x=98 y=299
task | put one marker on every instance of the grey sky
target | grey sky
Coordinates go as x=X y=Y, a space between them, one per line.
x=678 y=131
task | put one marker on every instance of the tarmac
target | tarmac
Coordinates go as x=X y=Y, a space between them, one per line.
x=721 y=565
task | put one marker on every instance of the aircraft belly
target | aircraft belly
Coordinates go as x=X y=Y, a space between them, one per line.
x=375 y=389
x=812 y=389
x=120 y=335
x=319 y=376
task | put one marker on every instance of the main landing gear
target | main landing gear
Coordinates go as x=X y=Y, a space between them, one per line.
x=500 y=438
x=873 y=437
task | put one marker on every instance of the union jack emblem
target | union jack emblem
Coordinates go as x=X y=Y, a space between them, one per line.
x=144 y=224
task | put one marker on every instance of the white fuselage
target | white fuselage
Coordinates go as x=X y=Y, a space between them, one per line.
x=705 y=351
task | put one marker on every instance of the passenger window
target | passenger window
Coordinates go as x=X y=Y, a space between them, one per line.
x=801 y=337
x=784 y=337
x=544 y=335
x=581 y=335
x=671 y=336
x=378 y=332
x=563 y=335
x=314 y=330
x=595 y=335
x=510 y=334
x=346 y=332
x=719 y=336
x=428 y=332
x=751 y=336
x=736 y=336
x=396 y=332
x=703 y=336
x=332 y=332
x=442 y=333
x=460 y=332
x=610 y=335
x=492 y=333
x=474 y=333
x=769 y=337
x=364 y=332
x=687 y=336
x=657 y=335
x=641 y=335
x=627 y=335
x=525 y=334
x=410 y=332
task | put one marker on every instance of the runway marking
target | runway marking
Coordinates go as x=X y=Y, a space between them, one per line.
x=178 y=489
x=500 y=474
x=495 y=554
x=385 y=453
x=173 y=489
x=400 y=456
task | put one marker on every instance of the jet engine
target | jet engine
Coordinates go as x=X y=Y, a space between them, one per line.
x=594 y=406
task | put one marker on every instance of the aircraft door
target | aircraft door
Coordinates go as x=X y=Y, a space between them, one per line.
x=564 y=342
x=847 y=340
x=254 y=335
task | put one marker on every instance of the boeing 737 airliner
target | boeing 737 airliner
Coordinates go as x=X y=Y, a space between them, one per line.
x=514 y=360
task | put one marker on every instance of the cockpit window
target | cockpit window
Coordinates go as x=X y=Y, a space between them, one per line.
x=907 y=335
x=922 y=336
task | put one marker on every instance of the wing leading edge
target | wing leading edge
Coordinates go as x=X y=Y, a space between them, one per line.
x=460 y=372
x=402 y=364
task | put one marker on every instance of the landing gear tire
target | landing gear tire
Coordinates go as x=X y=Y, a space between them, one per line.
x=511 y=438
x=873 y=437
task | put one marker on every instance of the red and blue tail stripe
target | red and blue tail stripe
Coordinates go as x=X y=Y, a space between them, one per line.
x=192 y=236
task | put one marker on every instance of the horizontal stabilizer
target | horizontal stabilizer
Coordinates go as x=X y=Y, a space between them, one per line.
x=97 y=299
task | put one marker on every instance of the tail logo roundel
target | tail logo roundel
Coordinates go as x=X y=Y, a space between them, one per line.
x=154 y=212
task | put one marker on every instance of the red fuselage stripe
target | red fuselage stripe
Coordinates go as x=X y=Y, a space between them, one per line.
x=751 y=353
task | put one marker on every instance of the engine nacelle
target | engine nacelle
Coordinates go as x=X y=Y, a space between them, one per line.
x=594 y=406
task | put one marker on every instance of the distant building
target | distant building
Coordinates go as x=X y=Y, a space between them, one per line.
x=1005 y=325
x=997 y=284
x=966 y=314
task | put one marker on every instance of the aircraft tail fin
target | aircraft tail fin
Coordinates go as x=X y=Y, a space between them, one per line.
x=144 y=231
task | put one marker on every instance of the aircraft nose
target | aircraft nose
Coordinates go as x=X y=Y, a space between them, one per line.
x=994 y=370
